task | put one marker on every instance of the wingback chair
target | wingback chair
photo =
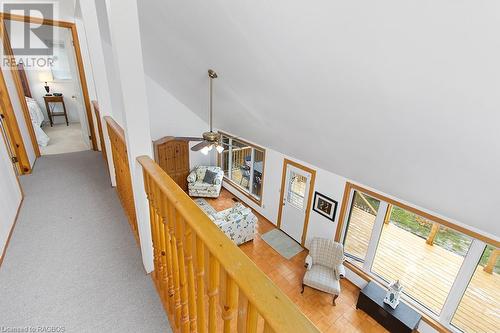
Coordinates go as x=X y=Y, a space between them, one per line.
x=324 y=266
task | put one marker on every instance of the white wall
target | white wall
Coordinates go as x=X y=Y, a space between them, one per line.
x=10 y=195
x=400 y=95
x=169 y=117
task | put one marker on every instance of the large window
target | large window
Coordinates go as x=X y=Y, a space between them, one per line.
x=424 y=256
x=447 y=272
x=362 y=216
x=243 y=166
x=483 y=294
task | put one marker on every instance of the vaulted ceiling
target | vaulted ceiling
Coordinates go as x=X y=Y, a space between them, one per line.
x=400 y=95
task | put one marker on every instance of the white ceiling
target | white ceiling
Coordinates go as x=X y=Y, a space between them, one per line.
x=399 y=95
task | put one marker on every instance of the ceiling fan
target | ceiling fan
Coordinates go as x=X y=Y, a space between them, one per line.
x=211 y=139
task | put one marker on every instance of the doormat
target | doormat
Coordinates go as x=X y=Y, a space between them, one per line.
x=282 y=243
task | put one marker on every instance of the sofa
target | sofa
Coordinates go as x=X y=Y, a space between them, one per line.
x=237 y=222
x=197 y=186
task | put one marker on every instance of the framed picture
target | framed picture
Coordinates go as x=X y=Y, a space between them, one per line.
x=325 y=206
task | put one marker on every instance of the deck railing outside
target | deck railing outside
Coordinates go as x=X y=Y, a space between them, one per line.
x=206 y=283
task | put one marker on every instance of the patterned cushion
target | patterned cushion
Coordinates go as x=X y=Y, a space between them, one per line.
x=200 y=173
x=322 y=278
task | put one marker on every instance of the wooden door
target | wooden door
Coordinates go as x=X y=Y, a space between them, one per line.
x=173 y=156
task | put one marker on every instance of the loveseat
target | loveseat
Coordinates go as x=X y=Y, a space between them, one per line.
x=237 y=222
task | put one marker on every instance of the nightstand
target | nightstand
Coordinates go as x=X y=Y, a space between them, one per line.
x=50 y=102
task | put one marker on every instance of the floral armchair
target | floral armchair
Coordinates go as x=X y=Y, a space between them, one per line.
x=199 y=188
x=324 y=266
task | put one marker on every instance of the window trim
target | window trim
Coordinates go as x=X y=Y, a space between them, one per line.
x=239 y=188
x=442 y=321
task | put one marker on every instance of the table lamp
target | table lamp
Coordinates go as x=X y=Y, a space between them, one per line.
x=46 y=77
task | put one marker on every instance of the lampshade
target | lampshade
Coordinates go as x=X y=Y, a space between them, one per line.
x=206 y=149
x=219 y=148
x=45 y=76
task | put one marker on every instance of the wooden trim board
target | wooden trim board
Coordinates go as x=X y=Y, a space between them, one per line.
x=287 y=162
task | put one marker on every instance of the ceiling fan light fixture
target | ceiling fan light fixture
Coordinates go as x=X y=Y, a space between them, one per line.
x=219 y=148
x=206 y=149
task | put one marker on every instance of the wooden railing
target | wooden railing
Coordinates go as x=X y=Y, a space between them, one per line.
x=234 y=295
x=239 y=155
x=122 y=172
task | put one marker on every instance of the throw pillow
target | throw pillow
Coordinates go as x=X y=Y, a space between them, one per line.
x=209 y=177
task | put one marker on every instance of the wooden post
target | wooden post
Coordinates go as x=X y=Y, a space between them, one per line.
x=490 y=266
x=387 y=217
x=190 y=278
x=179 y=235
x=213 y=291
x=230 y=304
x=432 y=234
x=175 y=265
x=252 y=317
x=200 y=284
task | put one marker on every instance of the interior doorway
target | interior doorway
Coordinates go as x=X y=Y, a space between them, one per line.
x=51 y=90
x=297 y=187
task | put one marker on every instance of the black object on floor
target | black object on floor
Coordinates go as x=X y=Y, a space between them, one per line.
x=401 y=319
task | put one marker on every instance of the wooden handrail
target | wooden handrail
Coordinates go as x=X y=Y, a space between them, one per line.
x=186 y=243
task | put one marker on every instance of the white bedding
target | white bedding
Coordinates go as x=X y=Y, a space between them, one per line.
x=37 y=120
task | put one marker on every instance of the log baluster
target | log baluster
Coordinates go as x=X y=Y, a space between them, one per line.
x=252 y=317
x=179 y=233
x=190 y=278
x=213 y=291
x=200 y=284
x=230 y=304
x=175 y=267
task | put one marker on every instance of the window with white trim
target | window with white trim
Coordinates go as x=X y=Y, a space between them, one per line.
x=447 y=271
x=243 y=166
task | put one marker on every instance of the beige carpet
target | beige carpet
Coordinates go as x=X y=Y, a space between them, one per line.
x=72 y=262
x=64 y=139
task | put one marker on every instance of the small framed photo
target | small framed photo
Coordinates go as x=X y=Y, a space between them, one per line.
x=325 y=206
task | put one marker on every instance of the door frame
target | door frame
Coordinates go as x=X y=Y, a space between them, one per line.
x=79 y=63
x=287 y=162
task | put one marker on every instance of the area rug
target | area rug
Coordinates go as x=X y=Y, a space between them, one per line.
x=282 y=243
x=205 y=206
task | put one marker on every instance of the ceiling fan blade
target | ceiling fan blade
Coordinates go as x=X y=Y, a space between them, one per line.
x=200 y=145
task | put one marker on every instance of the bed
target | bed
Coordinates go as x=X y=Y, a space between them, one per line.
x=37 y=119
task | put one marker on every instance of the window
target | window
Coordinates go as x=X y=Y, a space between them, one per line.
x=243 y=166
x=424 y=256
x=297 y=190
x=483 y=293
x=448 y=272
x=360 y=224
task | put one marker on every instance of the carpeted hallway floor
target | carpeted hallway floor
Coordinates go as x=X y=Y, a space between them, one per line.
x=72 y=261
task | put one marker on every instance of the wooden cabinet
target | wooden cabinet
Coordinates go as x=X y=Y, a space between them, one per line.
x=172 y=155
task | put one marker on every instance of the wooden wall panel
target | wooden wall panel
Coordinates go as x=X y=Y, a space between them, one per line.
x=122 y=172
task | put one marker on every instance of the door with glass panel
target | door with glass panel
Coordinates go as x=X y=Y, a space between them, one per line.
x=295 y=197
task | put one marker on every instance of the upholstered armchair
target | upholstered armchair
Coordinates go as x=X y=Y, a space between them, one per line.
x=324 y=267
x=202 y=185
